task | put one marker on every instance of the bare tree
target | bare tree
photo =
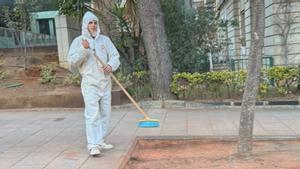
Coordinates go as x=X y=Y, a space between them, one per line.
x=155 y=39
x=284 y=21
x=257 y=11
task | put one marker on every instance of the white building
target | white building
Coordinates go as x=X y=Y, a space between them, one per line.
x=43 y=22
x=282 y=31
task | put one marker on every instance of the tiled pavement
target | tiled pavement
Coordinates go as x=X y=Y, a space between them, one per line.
x=55 y=139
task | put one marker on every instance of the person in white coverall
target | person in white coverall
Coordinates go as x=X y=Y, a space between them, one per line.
x=96 y=81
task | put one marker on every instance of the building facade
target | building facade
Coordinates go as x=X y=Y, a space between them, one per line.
x=282 y=32
x=43 y=22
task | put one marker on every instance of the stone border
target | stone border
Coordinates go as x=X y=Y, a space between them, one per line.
x=70 y=100
x=198 y=105
x=221 y=137
x=75 y=100
x=125 y=158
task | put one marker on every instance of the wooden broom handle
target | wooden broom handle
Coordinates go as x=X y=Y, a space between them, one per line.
x=124 y=90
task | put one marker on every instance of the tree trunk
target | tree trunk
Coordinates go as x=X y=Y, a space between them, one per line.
x=253 y=74
x=154 y=36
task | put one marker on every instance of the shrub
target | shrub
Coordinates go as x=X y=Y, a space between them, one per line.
x=140 y=87
x=124 y=79
x=3 y=74
x=283 y=78
x=72 y=79
x=137 y=83
x=47 y=74
x=230 y=84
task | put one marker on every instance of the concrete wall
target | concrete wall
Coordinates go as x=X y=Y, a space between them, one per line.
x=66 y=30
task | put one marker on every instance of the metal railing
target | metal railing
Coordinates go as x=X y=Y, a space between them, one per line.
x=11 y=38
x=241 y=64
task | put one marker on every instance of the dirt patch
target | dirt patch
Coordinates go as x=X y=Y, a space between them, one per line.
x=23 y=83
x=207 y=154
x=23 y=88
x=20 y=83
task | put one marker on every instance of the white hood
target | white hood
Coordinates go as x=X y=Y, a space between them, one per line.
x=88 y=17
x=84 y=59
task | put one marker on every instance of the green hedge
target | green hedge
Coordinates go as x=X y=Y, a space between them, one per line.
x=279 y=81
x=137 y=83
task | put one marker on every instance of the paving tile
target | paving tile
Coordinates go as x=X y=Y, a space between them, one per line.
x=281 y=132
x=226 y=132
x=8 y=159
x=56 y=139
x=71 y=158
x=37 y=159
x=201 y=132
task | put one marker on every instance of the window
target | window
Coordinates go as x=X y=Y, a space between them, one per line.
x=44 y=26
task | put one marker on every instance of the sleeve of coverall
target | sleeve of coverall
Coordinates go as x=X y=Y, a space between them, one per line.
x=114 y=56
x=77 y=53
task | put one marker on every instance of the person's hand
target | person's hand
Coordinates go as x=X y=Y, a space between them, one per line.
x=85 y=44
x=107 y=69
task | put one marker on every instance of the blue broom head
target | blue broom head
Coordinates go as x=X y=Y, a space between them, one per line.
x=148 y=123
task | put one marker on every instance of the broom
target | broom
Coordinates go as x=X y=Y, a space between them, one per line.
x=146 y=121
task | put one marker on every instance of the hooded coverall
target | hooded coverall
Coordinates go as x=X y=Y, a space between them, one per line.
x=95 y=84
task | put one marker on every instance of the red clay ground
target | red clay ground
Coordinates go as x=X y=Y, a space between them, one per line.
x=31 y=83
x=23 y=89
x=30 y=78
x=195 y=154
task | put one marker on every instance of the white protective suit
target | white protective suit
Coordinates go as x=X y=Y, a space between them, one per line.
x=95 y=85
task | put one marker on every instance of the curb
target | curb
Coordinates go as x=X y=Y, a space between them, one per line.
x=70 y=100
x=220 y=105
x=221 y=137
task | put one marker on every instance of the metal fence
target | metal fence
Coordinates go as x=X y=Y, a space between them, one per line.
x=241 y=64
x=10 y=38
x=23 y=49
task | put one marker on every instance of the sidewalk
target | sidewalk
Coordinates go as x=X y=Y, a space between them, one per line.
x=56 y=139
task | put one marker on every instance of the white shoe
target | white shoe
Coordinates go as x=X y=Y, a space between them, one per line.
x=94 y=151
x=105 y=146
